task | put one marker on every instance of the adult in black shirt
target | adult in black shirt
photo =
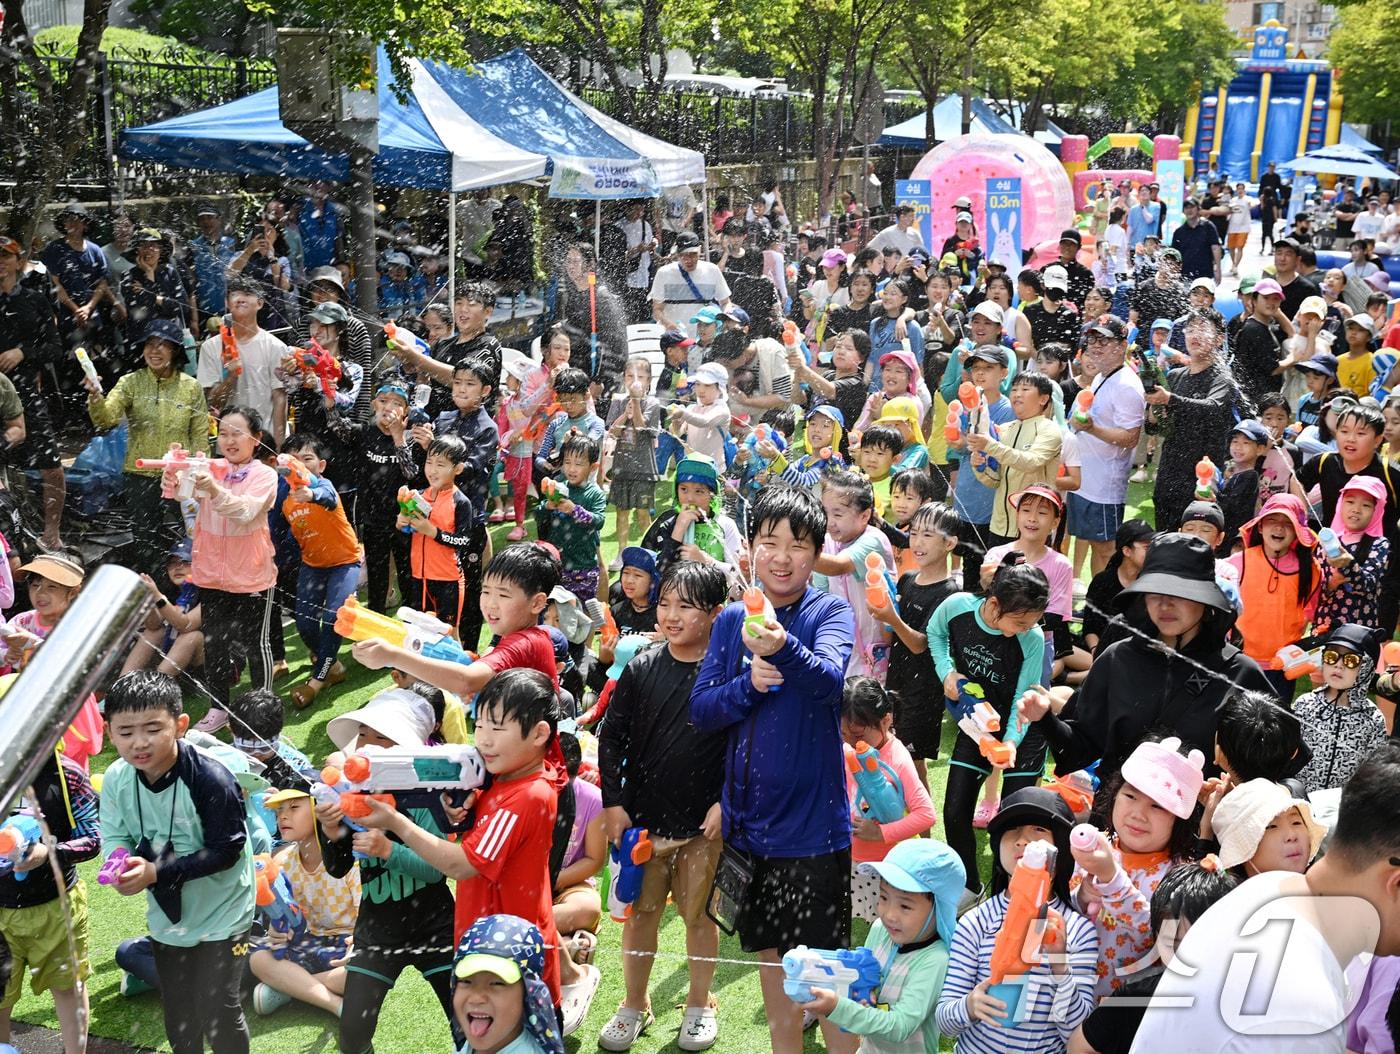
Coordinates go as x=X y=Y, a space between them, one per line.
x=1160 y=296
x=1199 y=245
x=1050 y=320
x=577 y=311
x=1271 y=180
x=1345 y=214
x=1081 y=279
x=152 y=290
x=1296 y=288
x=734 y=257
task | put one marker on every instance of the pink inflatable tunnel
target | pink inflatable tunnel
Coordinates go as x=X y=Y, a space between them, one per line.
x=961 y=167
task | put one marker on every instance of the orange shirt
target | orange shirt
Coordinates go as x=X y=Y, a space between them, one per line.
x=324 y=535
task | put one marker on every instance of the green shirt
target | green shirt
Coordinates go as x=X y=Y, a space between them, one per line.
x=158 y=413
x=10 y=406
x=577 y=534
x=910 y=984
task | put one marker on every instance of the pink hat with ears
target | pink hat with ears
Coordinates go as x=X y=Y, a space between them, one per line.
x=1165 y=775
x=1365 y=485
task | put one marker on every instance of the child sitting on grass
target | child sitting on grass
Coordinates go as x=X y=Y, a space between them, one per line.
x=867 y=717
x=172 y=638
x=310 y=969
x=919 y=884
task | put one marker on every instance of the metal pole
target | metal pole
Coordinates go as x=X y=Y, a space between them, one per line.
x=451 y=249
x=92 y=638
x=362 y=224
x=597 y=227
x=705 y=223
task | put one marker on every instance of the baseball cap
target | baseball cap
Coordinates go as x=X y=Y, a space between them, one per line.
x=73 y=209
x=1206 y=512
x=1108 y=326
x=206 y=210
x=1268 y=287
x=988 y=310
x=182 y=550
x=735 y=314
x=1251 y=430
x=397 y=260
x=1363 y=321
x=963 y=202
x=709 y=315
x=1072 y=235
x=733 y=225
x=9 y=245
x=1247 y=284
x=1170 y=254
x=993 y=353
x=963 y=217
x=1163 y=323
x=1204 y=283
x=330 y=313
x=1322 y=362
x=147 y=236
x=687 y=242
x=1055 y=278
x=834 y=258
x=1286 y=243
x=675 y=338
x=1313 y=305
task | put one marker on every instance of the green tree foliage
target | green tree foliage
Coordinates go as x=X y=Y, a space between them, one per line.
x=1364 y=47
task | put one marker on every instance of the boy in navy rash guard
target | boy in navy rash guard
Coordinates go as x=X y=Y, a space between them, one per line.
x=776 y=689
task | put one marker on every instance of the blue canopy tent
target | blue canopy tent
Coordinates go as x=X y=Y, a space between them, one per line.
x=947 y=123
x=503 y=121
x=1352 y=138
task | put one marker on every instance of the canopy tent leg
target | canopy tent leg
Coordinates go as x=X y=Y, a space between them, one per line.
x=597 y=228
x=451 y=250
x=705 y=215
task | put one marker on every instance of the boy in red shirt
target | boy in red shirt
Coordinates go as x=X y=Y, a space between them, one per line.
x=502 y=864
x=514 y=592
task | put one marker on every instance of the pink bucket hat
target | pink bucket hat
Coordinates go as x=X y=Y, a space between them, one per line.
x=1370 y=486
x=1165 y=775
x=1284 y=505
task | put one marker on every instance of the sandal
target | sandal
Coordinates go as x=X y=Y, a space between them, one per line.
x=336 y=676
x=581 y=947
x=517 y=533
x=576 y=998
x=699 y=1028
x=303 y=695
x=624 y=1028
x=985 y=811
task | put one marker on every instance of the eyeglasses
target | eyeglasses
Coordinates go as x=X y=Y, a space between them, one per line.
x=1099 y=338
x=1348 y=660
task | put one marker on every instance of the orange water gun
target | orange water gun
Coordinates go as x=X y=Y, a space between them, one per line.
x=1030 y=926
x=231 y=359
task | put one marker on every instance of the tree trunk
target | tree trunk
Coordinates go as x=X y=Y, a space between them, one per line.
x=60 y=106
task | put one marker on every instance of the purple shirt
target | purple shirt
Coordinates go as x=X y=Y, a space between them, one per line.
x=588 y=804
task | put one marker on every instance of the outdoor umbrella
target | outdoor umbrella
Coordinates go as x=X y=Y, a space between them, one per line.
x=1338 y=160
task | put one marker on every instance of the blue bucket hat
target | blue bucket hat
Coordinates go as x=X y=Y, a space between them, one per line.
x=922 y=865
x=698 y=468
x=512 y=949
x=394 y=388
x=643 y=560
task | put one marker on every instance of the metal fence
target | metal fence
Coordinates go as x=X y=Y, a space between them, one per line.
x=139 y=88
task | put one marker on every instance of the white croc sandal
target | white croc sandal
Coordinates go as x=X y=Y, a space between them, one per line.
x=624 y=1028
x=699 y=1028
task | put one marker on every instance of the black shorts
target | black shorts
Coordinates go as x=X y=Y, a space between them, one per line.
x=918 y=721
x=797 y=900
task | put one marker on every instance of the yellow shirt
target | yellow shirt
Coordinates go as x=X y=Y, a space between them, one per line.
x=1355 y=372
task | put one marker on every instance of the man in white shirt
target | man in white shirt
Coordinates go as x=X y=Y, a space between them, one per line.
x=1263 y=969
x=901 y=235
x=1107 y=441
x=674 y=211
x=259 y=355
x=1371 y=222
x=641 y=242
x=685 y=285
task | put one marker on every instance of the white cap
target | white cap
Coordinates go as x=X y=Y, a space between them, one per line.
x=964 y=217
x=1055 y=277
x=988 y=310
x=1204 y=283
x=963 y=202
x=711 y=373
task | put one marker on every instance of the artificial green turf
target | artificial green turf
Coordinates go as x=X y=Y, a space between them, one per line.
x=411 y=1022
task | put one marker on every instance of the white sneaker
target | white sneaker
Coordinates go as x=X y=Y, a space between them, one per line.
x=699 y=1028
x=1140 y=476
x=268 y=1000
x=576 y=998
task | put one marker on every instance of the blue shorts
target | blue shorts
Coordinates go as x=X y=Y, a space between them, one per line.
x=1090 y=520
x=313 y=953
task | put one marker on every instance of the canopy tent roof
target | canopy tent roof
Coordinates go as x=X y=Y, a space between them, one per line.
x=503 y=121
x=1353 y=138
x=1339 y=160
x=947 y=123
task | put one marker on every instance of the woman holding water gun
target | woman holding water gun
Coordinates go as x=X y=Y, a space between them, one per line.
x=233 y=556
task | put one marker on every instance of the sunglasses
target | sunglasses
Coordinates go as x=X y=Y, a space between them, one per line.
x=1348 y=660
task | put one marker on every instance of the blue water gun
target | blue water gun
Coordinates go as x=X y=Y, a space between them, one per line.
x=852 y=973
x=981 y=723
x=879 y=792
x=273 y=897
x=19 y=835
x=629 y=858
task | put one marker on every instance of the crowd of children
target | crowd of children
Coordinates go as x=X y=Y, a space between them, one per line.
x=845 y=635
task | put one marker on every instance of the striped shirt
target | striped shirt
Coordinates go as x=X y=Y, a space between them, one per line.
x=1056 y=1005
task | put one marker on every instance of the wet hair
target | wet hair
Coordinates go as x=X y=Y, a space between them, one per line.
x=860 y=340
x=1259 y=736
x=527 y=565
x=1187 y=891
x=521 y=695
x=883 y=437
x=640 y=360
x=577 y=443
x=240 y=284
x=867 y=276
x=1208 y=315
x=1377 y=299
x=1019 y=588
x=440 y=310
x=701 y=586
x=782 y=418
x=937 y=516
x=299 y=442
x=572 y=751
x=865 y=701
x=1363 y=414
x=1003 y=280
x=571 y=381
x=796 y=506
x=1129 y=533
x=854 y=488
x=899 y=285
x=915 y=481
x=483 y=293
x=478 y=368
x=143 y=690
x=1181 y=842
x=1274 y=400
x=259 y=712
x=1041 y=383
x=454 y=448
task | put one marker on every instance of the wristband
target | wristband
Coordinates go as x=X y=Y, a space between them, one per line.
x=162 y=602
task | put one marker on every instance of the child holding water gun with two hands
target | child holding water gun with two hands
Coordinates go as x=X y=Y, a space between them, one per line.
x=1058 y=996
x=851 y=551
x=1148 y=811
x=919 y=883
x=867 y=721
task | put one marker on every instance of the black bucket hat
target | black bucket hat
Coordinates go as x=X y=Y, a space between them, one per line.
x=1181 y=565
x=1360 y=639
x=1044 y=808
